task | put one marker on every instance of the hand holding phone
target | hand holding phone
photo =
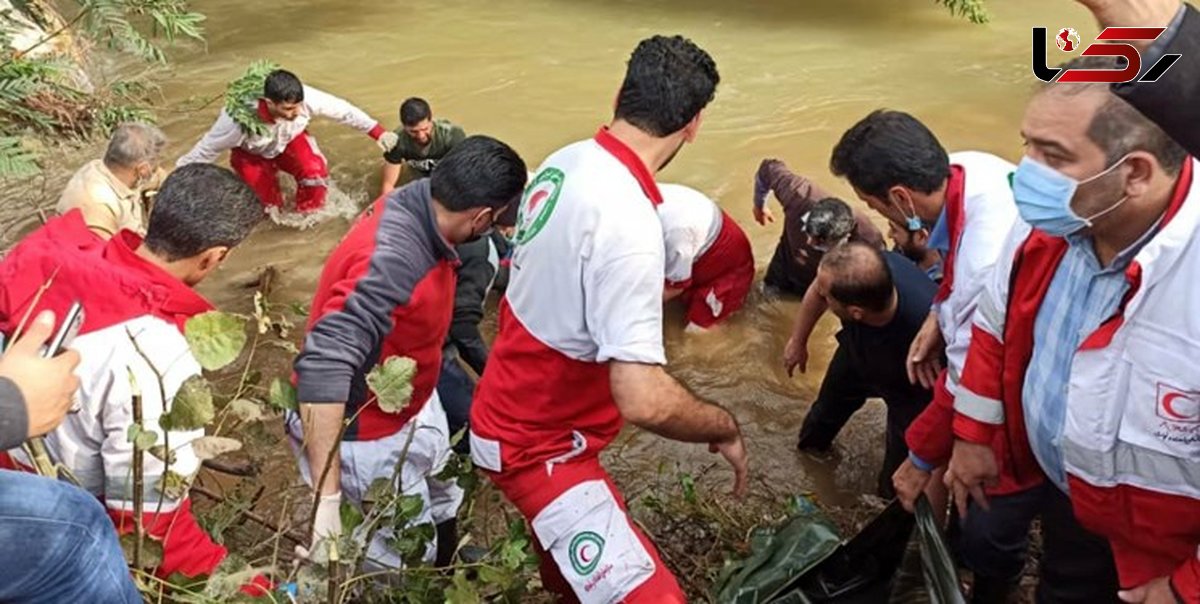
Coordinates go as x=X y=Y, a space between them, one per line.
x=46 y=384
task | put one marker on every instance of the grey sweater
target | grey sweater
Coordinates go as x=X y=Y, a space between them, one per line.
x=14 y=418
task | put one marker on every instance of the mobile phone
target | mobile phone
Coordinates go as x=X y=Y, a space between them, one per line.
x=67 y=330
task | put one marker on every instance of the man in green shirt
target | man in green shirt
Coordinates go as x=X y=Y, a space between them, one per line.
x=423 y=141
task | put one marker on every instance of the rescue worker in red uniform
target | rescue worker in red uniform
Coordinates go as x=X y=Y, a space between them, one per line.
x=387 y=291
x=286 y=108
x=580 y=346
x=1083 y=355
x=137 y=296
x=710 y=265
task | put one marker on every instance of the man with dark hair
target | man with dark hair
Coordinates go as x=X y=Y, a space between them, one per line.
x=580 y=345
x=277 y=139
x=709 y=263
x=882 y=300
x=800 y=247
x=1084 y=354
x=386 y=293
x=422 y=141
x=914 y=245
x=137 y=297
x=900 y=169
x=841 y=394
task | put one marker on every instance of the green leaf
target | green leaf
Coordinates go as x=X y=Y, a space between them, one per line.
x=211 y=447
x=392 y=383
x=688 y=484
x=973 y=10
x=380 y=491
x=494 y=577
x=462 y=590
x=408 y=507
x=351 y=517
x=152 y=550
x=160 y=451
x=174 y=485
x=140 y=437
x=192 y=407
x=227 y=580
x=282 y=395
x=216 y=338
x=413 y=541
x=245 y=410
x=242 y=94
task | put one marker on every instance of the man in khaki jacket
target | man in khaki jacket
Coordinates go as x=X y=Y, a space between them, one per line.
x=109 y=191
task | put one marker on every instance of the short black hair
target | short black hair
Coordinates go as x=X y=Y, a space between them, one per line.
x=478 y=172
x=282 y=86
x=889 y=148
x=1117 y=127
x=668 y=81
x=861 y=276
x=414 y=110
x=199 y=207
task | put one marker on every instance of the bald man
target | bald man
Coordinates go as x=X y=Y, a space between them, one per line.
x=882 y=299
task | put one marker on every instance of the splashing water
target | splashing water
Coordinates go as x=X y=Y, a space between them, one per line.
x=338 y=204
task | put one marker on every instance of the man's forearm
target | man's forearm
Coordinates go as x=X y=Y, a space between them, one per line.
x=389 y=175
x=651 y=399
x=322 y=437
x=811 y=309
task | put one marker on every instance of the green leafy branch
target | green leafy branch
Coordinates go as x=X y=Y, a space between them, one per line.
x=973 y=10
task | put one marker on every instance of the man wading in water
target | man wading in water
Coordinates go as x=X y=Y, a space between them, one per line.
x=580 y=346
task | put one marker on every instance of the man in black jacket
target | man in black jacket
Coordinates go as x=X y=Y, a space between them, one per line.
x=478 y=272
x=1173 y=101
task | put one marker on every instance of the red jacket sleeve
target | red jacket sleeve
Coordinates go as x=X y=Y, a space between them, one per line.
x=929 y=437
x=979 y=407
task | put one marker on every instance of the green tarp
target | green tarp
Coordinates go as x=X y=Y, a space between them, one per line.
x=805 y=561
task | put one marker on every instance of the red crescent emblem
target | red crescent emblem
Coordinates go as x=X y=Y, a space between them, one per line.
x=537 y=198
x=1169 y=400
x=583 y=555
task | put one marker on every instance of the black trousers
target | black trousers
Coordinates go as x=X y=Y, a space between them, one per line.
x=843 y=392
x=781 y=276
x=455 y=388
x=1076 y=565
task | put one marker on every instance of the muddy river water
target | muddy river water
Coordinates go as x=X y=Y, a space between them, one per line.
x=542 y=73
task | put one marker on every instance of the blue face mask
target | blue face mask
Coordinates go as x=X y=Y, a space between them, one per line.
x=1043 y=196
x=913 y=223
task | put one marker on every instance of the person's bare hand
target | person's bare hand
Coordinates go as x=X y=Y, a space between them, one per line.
x=924 y=361
x=1157 y=591
x=1133 y=13
x=734 y=451
x=909 y=482
x=972 y=467
x=46 y=384
x=763 y=215
x=795 y=356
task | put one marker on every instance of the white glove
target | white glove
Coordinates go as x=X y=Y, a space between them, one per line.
x=387 y=140
x=328 y=521
x=326 y=525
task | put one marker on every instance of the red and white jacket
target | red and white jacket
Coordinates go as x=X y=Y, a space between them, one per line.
x=1131 y=441
x=586 y=289
x=125 y=300
x=226 y=134
x=979 y=213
